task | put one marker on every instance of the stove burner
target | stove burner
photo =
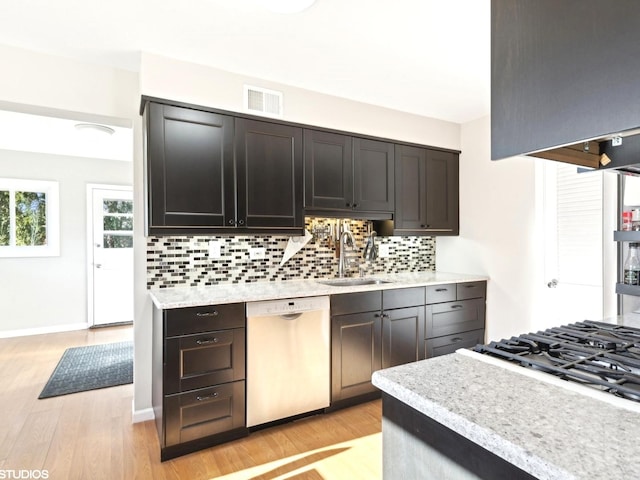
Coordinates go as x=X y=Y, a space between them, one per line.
x=600 y=355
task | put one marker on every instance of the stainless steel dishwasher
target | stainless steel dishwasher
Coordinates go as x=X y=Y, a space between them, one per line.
x=288 y=358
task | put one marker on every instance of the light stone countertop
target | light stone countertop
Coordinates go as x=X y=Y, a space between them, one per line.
x=549 y=428
x=178 y=297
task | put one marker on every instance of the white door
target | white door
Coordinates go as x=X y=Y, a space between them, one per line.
x=110 y=255
x=573 y=246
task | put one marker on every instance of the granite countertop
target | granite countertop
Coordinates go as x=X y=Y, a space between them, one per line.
x=178 y=297
x=550 y=428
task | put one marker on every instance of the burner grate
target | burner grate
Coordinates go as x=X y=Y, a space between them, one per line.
x=596 y=354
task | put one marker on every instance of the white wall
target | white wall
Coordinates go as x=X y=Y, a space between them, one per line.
x=187 y=82
x=497 y=231
x=50 y=293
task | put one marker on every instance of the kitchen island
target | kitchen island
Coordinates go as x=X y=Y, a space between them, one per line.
x=461 y=416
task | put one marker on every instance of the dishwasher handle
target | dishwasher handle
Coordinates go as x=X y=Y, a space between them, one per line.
x=291 y=316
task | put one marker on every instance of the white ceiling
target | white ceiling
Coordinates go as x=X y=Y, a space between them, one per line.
x=428 y=57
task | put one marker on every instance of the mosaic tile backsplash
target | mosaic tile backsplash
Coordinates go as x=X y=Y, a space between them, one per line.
x=184 y=260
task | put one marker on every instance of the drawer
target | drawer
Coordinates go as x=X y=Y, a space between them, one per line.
x=402 y=297
x=435 y=347
x=454 y=317
x=200 y=413
x=471 y=290
x=196 y=361
x=184 y=321
x=346 y=303
x=441 y=293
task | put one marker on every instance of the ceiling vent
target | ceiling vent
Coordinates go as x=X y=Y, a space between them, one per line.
x=263 y=101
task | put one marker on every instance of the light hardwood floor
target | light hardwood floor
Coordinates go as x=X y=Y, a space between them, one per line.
x=89 y=435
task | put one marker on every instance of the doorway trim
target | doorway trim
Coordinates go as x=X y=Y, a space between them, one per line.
x=90 y=260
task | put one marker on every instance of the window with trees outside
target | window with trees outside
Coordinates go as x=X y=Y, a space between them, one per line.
x=29 y=218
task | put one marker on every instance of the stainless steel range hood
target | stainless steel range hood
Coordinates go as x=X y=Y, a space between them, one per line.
x=565 y=82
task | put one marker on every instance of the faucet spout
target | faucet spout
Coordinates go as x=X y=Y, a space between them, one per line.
x=346 y=239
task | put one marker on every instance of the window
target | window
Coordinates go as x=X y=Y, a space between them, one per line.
x=29 y=218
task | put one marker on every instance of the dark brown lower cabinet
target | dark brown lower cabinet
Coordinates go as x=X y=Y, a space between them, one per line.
x=450 y=343
x=370 y=331
x=355 y=354
x=402 y=336
x=198 y=383
x=451 y=325
x=205 y=412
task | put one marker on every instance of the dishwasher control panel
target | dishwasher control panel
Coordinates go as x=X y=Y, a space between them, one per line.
x=289 y=305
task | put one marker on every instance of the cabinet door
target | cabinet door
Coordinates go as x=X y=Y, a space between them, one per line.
x=355 y=354
x=411 y=186
x=403 y=333
x=200 y=413
x=373 y=175
x=328 y=164
x=269 y=175
x=189 y=169
x=442 y=192
x=454 y=317
x=435 y=347
x=196 y=361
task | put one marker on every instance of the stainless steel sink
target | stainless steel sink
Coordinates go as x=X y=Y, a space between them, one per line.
x=350 y=282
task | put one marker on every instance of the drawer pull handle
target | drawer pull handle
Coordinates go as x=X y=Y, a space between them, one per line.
x=207 y=314
x=207 y=397
x=471 y=286
x=207 y=341
x=441 y=289
x=456 y=306
x=456 y=340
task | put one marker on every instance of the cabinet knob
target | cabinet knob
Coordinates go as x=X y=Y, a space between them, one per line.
x=240 y=222
x=348 y=204
x=231 y=222
x=355 y=205
x=423 y=226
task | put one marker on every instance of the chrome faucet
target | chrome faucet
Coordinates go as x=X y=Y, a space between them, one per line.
x=346 y=239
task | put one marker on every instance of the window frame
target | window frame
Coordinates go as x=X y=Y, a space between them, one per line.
x=52 y=192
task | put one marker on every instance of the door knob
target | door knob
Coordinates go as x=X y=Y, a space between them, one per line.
x=98 y=265
x=553 y=283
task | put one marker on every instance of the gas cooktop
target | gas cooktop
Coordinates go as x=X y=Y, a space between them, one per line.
x=600 y=355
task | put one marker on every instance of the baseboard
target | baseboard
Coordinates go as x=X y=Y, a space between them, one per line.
x=43 y=330
x=144 y=415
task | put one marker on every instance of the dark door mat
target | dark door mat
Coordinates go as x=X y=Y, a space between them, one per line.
x=90 y=368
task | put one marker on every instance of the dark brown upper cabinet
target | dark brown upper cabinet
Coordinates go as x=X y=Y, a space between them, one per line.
x=348 y=176
x=189 y=165
x=269 y=175
x=427 y=193
x=214 y=173
x=562 y=73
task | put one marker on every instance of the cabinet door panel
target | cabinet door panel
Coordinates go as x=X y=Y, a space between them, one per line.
x=455 y=317
x=435 y=347
x=357 y=302
x=442 y=191
x=196 y=361
x=328 y=162
x=411 y=199
x=355 y=354
x=269 y=172
x=190 y=167
x=200 y=413
x=374 y=175
x=403 y=332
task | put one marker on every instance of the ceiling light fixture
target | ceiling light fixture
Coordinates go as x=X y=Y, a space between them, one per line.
x=287 y=6
x=95 y=127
